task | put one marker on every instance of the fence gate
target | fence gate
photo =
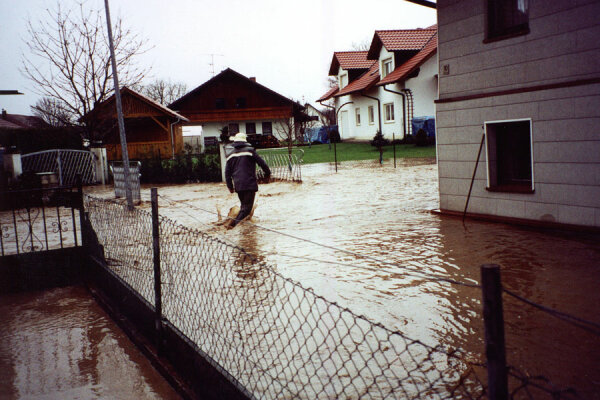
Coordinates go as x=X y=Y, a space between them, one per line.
x=67 y=164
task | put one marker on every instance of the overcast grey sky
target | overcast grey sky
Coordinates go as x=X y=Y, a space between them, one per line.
x=287 y=45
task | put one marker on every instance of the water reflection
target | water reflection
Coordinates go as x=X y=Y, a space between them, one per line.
x=59 y=344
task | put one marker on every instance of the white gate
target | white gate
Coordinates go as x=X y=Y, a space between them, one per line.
x=67 y=164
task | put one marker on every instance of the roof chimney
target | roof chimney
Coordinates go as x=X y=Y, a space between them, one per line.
x=252 y=78
x=3 y=113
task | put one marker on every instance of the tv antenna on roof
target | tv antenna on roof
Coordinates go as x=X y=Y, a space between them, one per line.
x=212 y=61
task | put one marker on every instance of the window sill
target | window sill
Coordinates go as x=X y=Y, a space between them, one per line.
x=520 y=32
x=389 y=122
x=511 y=189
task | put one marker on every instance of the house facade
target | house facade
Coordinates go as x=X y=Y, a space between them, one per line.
x=239 y=103
x=383 y=88
x=520 y=80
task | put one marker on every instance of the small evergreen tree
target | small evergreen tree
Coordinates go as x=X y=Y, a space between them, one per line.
x=379 y=141
x=421 y=138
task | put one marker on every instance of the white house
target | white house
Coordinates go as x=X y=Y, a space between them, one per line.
x=523 y=78
x=385 y=87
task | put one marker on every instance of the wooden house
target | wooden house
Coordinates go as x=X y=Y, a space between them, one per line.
x=241 y=104
x=152 y=130
x=519 y=90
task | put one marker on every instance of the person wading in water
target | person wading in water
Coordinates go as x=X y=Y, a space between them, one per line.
x=240 y=173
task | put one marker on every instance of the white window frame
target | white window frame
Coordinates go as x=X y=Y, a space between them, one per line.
x=487 y=155
x=386 y=113
x=357 y=115
x=371 y=113
x=384 y=63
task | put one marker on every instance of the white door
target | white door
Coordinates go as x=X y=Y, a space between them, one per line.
x=344 y=131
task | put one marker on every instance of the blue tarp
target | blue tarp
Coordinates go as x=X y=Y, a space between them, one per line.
x=425 y=123
x=319 y=134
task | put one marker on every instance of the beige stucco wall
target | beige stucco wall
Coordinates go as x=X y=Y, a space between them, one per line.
x=562 y=47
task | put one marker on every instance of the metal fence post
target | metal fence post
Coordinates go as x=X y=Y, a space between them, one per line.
x=394 y=147
x=156 y=252
x=59 y=164
x=494 y=332
x=335 y=155
x=79 y=186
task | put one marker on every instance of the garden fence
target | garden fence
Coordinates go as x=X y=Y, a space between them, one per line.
x=67 y=164
x=270 y=334
x=284 y=166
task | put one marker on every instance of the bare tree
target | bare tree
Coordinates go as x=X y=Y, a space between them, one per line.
x=363 y=45
x=53 y=112
x=286 y=130
x=69 y=60
x=163 y=92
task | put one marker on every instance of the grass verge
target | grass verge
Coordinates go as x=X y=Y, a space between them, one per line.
x=322 y=153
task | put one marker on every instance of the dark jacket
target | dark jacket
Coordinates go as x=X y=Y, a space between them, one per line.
x=240 y=169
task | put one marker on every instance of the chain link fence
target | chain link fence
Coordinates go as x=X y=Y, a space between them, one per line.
x=277 y=339
x=272 y=335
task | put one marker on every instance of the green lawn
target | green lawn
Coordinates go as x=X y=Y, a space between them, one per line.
x=321 y=153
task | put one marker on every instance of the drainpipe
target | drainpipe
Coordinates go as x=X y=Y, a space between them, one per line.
x=403 y=108
x=172 y=138
x=410 y=107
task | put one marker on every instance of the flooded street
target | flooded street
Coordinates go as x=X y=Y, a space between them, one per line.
x=365 y=238
x=59 y=344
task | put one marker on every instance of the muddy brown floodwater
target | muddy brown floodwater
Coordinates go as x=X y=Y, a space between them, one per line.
x=59 y=344
x=367 y=229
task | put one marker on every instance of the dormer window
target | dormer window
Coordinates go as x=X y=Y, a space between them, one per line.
x=343 y=81
x=386 y=67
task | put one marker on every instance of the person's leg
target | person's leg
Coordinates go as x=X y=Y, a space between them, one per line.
x=246 y=204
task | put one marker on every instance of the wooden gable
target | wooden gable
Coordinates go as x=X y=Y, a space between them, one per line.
x=231 y=96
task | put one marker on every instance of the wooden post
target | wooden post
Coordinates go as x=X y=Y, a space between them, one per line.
x=494 y=332
x=156 y=252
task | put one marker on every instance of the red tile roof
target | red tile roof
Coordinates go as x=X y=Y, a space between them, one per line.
x=349 y=60
x=404 y=39
x=364 y=82
x=329 y=94
x=404 y=70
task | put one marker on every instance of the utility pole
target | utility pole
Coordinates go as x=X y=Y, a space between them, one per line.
x=125 y=154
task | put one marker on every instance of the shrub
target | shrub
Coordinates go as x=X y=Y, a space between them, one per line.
x=224 y=136
x=334 y=136
x=421 y=138
x=379 y=141
x=182 y=169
